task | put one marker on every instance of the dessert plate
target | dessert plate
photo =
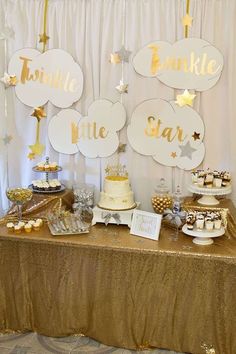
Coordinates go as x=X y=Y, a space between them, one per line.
x=203 y=237
x=63 y=187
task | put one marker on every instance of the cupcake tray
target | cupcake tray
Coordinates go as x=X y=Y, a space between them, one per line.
x=35 y=169
x=203 y=237
x=61 y=228
x=63 y=187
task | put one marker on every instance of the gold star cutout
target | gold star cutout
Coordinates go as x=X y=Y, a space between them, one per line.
x=196 y=136
x=31 y=156
x=39 y=113
x=114 y=58
x=185 y=99
x=37 y=148
x=187 y=20
x=121 y=148
x=43 y=38
x=9 y=80
x=173 y=154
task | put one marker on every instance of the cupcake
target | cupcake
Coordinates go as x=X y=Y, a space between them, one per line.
x=217 y=222
x=46 y=167
x=209 y=224
x=194 y=176
x=200 y=181
x=217 y=181
x=10 y=226
x=40 y=166
x=40 y=222
x=31 y=222
x=21 y=224
x=209 y=180
x=200 y=222
x=36 y=226
x=17 y=229
x=28 y=227
x=53 y=166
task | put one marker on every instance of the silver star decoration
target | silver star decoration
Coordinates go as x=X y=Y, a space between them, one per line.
x=122 y=88
x=187 y=150
x=7 y=33
x=7 y=139
x=124 y=54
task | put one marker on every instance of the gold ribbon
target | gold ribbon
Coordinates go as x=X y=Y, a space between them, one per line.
x=45 y=22
x=187 y=13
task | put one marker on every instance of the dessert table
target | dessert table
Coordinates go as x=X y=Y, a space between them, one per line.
x=121 y=289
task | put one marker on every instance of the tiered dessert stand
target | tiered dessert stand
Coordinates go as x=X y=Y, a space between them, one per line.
x=47 y=173
x=203 y=237
x=208 y=194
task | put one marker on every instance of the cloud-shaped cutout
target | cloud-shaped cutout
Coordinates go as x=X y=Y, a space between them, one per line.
x=94 y=135
x=51 y=76
x=190 y=63
x=172 y=135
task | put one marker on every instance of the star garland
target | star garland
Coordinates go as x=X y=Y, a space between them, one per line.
x=187 y=20
x=39 y=113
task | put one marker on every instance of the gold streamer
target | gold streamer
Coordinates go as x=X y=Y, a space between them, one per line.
x=38 y=148
x=44 y=38
x=187 y=13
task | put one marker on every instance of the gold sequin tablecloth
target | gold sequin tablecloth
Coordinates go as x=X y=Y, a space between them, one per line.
x=120 y=289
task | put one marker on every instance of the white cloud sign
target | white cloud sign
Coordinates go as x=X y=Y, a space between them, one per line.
x=51 y=76
x=190 y=63
x=94 y=135
x=172 y=135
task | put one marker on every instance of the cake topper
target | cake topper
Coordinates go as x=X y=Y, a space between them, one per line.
x=116 y=170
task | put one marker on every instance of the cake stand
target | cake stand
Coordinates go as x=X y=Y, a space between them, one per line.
x=59 y=169
x=203 y=237
x=208 y=194
x=118 y=217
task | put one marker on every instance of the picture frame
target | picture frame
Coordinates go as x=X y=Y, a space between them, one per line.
x=146 y=224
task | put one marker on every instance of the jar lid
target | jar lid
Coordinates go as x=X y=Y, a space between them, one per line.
x=162 y=187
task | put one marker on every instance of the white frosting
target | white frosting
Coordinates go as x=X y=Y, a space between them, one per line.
x=117 y=194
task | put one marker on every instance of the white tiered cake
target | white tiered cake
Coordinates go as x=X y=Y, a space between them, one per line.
x=117 y=193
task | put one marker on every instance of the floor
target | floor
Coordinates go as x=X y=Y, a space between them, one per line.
x=33 y=343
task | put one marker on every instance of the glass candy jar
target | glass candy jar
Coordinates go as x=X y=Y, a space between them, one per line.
x=162 y=199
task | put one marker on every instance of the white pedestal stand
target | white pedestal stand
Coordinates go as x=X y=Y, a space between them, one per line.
x=208 y=194
x=125 y=216
x=203 y=237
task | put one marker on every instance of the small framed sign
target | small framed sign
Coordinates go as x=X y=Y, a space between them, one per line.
x=146 y=224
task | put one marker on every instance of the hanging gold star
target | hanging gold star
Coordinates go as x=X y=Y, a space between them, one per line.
x=122 y=88
x=185 y=99
x=39 y=113
x=114 y=58
x=37 y=148
x=121 y=148
x=187 y=20
x=43 y=38
x=196 y=136
x=173 y=154
x=31 y=156
x=9 y=80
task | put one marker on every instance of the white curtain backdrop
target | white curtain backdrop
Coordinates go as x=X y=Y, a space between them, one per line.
x=90 y=30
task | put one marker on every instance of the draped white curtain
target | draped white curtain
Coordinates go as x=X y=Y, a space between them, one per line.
x=90 y=30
